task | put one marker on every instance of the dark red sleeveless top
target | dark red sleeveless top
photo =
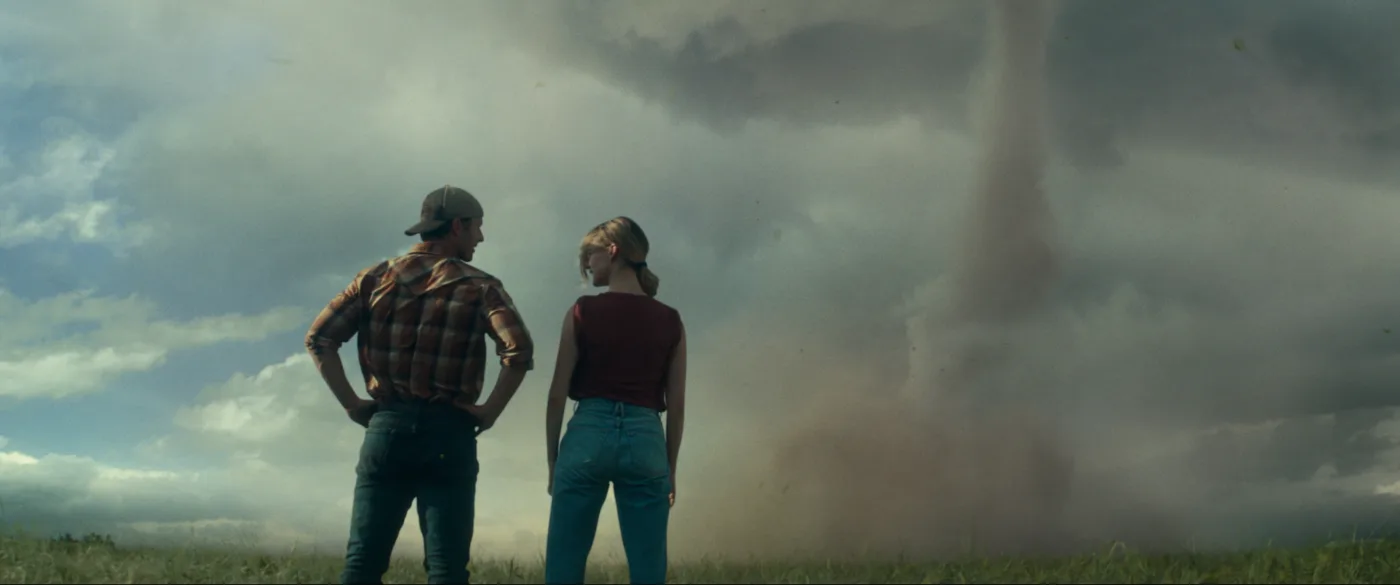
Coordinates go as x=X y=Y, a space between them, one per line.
x=625 y=344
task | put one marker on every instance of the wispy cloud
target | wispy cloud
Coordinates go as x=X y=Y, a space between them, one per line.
x=53 y=199
x=42 y=356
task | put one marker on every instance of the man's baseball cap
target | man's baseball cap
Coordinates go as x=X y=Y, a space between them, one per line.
x=444 y=205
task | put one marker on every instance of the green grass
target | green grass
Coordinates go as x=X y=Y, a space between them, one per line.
x=28 y=560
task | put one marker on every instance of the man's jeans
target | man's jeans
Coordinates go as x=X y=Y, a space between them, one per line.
x=414 y=450
x=625 y=445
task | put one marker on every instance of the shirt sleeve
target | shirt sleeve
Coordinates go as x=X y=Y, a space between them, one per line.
x=338 y=322
x=505 y=326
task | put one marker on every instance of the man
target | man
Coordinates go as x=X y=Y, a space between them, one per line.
x=421 y=318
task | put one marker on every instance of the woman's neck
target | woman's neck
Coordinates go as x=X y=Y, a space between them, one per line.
x=625 y=281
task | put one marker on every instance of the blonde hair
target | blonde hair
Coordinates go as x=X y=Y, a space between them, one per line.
x=632 y=248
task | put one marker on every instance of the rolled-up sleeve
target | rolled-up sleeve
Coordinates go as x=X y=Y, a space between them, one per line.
x=338 y=322
x=505 y=326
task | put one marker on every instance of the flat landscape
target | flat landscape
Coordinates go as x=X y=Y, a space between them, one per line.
x=27 y=560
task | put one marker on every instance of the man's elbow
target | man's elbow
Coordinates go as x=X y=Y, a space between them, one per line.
x=320 y=347
x=521 y=358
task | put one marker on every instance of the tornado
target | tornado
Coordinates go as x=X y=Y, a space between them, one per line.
x=920 y=473
x=1007 y=263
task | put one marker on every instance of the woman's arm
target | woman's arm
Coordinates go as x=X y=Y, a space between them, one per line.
x=675 y=408
x=559 y=390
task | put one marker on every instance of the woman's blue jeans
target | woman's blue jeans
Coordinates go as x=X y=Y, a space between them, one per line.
x=610 y=442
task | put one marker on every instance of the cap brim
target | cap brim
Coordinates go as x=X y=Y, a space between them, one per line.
x=423 y=227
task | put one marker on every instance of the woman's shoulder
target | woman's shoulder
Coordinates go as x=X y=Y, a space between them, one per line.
x=661 y=306
x=668 y=310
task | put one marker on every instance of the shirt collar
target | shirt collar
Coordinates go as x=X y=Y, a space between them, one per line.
x=427 y=248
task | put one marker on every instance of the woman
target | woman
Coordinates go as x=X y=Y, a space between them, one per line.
x=622 y=359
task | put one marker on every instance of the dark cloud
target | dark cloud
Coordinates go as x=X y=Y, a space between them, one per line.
x=1349 y=46
x=1205 y=72
x=1295 y=450
x=1210 y=362
x=77 y=495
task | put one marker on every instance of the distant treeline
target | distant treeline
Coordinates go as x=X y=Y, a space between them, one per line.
x=91 y=539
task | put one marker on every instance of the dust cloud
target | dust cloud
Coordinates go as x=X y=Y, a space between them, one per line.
x=934 y=470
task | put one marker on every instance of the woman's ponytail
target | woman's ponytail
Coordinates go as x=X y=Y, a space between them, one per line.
x=649 y=281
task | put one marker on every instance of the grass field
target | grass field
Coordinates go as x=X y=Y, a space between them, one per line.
x=26 y=560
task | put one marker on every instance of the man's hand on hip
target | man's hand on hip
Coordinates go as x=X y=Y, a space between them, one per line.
x=361 y=411
x=485 y=416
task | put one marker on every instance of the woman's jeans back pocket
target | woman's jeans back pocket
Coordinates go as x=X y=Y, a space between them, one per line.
x=645 y=456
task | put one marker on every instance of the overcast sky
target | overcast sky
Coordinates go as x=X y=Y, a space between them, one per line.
x=184 y=185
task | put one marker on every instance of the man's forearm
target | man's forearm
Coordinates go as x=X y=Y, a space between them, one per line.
x=507 y=382
x=333 y=372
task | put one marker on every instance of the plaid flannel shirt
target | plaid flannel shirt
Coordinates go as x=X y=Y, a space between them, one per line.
x=421 y=320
